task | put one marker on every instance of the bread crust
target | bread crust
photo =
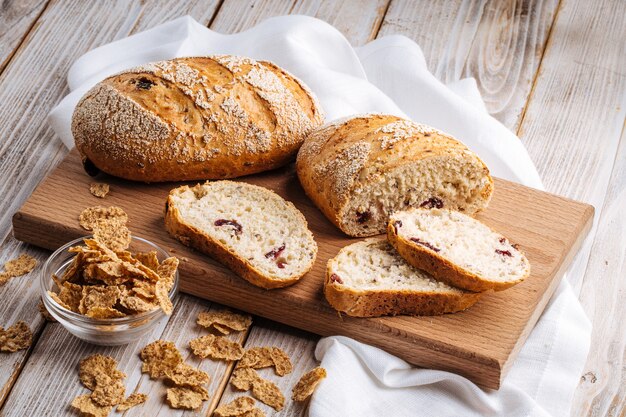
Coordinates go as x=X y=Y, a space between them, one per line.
x=385 y=303
x=441 y=268
x=347 y=155
x=197 y=239
x=194 y=118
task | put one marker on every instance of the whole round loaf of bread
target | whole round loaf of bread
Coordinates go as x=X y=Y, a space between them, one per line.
x=360 y=170
x=194 y=118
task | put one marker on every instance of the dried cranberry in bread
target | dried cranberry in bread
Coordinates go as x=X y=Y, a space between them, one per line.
x=250 y=229
x=369 y=279
x=194 y=118
x=457 y=249
x=360 y=170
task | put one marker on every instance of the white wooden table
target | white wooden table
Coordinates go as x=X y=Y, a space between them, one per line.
x=554 y=71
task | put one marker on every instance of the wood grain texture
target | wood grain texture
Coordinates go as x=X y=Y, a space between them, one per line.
x=180 y=330
x=499 y=43
x=23 y=293
x=17 y=17
x=358 y=20
x=299 y=345
x=55 y=358
x=479 y=343
x=572 y=127
x=31 y=85
x=34 y=81
x=602 y=391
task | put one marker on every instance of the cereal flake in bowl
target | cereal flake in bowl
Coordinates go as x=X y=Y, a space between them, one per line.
x=106 y=296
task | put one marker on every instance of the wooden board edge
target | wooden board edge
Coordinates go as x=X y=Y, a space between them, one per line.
x=566 y=261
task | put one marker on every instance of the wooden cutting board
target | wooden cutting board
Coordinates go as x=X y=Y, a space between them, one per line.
x=480 y=343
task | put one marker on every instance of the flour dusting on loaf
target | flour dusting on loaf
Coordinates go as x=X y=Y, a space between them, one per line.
x=360 y=170
x=195 y=118
x=250 y=229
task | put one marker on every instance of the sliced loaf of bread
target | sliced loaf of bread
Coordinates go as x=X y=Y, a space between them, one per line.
x=252 y=230
x=370 y=279
x=457 y=249
x=360 y=170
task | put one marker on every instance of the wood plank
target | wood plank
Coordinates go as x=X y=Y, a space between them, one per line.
x=56 y=356
x=572 y=128
x=180 y=330
x=46 y=57
x=65 y=30
x=602 y=390
x=479 y=343
x=16 y=20
x=358 y=20
x=299 y=345
x=23 y=293
x=498 y=43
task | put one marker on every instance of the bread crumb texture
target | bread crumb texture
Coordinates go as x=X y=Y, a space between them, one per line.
x=249 y=227
x=360 y=170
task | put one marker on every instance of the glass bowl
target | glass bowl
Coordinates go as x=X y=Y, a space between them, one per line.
x=106 y=332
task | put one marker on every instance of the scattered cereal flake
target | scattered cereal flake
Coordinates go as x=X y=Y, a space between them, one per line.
x=16 y=337
x=94 y=296
x=219 y=328
x=104 y=313
x=307 y=384
x=159 y=356
x=226 y=320
x=149 y=259
x=238 y=407
x=133 y=400
x=112 y=233
x=267 y=392
x=88 y=407
x=243 y=378
x=95 y=365
x=186 y=375
x=255 y=412
x=88 y=218
x=4 y=278
x=282 y=363
x=20 y=266
x=163 y=297
x=45 y=313
x=108 y=391
x=99 y=189
x=262 y=389
x=263 y=357
x=188 y=398
x=216 y=347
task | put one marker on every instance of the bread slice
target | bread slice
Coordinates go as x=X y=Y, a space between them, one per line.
x=369 y=279
x=360 y=170
x=457 y=249
x=257 y=234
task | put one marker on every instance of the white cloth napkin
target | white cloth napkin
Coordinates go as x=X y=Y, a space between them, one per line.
x=387 y=75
